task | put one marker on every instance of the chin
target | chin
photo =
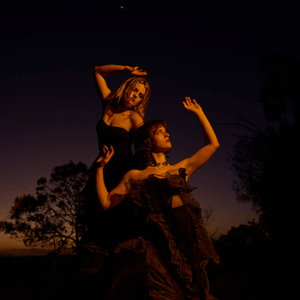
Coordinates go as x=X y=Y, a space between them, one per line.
x=167 y=149
x=127 y=103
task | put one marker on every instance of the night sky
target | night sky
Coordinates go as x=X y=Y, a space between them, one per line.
x=210 y=52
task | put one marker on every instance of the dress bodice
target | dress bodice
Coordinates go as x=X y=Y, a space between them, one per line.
x=121 y=161
x=117 y=137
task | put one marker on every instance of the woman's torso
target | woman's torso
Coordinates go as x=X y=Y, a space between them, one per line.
x=121 y=140
x=120 y=120
x=115 y=136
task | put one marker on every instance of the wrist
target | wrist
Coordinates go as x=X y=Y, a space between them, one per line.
x=198 y=113
x=99 y=165
x=127 y=69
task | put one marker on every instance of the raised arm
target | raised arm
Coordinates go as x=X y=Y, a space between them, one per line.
x=109 y=200
x=102 y=71
x=211 y=142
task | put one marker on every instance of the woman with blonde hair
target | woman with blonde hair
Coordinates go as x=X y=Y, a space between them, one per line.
x=123 y=112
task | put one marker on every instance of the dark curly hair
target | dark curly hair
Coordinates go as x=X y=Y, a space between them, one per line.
x=143 y=143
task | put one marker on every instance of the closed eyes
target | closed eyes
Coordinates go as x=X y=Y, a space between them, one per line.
x=140 y=94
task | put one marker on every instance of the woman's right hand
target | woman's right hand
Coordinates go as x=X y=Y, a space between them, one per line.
x=105 y=158
x=135 y=71
x=191 y=106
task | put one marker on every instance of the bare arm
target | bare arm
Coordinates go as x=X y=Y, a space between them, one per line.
x=137 y=121
x=194 y=162
x=102 y=71
x=109 y=200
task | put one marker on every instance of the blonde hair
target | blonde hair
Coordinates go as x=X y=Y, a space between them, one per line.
x=123 y=92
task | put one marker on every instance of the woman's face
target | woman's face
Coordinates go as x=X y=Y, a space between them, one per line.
x=161 y=141
x=137 y=94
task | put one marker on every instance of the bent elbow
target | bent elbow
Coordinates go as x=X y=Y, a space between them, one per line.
x=215 y=145
x=103 y=205
x=106 y=207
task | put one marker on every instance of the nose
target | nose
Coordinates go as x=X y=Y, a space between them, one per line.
x=167 y=134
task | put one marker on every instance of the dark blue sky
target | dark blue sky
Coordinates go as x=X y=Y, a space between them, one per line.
x=50 y=106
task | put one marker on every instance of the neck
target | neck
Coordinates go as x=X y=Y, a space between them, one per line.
x=159 y=157
x=119 y=109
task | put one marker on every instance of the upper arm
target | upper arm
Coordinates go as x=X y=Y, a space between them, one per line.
x=197 y=160
x=104 y=90
x=118 y=193
x=137 y=121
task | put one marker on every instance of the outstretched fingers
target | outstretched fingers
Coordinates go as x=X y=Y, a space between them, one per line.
x=191 y=105
x=188 y=102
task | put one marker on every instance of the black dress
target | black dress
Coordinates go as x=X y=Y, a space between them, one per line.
x=120 y=163
x=98 y=229
x=160 y=252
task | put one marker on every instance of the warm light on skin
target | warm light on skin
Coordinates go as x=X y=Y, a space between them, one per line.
x=137 y=94
x=161 y=141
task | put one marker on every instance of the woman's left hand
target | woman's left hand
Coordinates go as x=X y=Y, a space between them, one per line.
x=135 y=71
x=107 y=154
x=192 y=106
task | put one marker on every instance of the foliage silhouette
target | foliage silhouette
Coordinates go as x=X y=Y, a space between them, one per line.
x=48 y=220
x=247 y=265
x=267 y=163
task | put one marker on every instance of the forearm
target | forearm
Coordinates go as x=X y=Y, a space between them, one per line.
x=102 y=193
x=207 y=130
x=110 y=69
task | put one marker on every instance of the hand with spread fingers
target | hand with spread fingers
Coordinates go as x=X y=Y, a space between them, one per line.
x=192 y=106
x=135 y=71
x=105 y=158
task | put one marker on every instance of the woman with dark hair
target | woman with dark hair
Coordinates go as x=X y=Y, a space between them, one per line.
x=162 y=244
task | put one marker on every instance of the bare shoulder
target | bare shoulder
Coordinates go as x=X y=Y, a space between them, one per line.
x=133 y=175
x=137 y=121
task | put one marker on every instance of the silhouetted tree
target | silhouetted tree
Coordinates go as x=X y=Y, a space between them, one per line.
x=267 y=163
x=267 y=166
x=247 y=264
x=48 y=220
